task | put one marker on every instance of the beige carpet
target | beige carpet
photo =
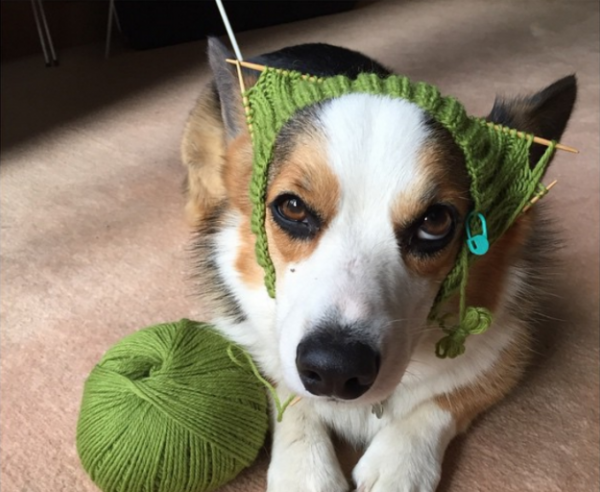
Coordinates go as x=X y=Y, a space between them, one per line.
x=94 y=243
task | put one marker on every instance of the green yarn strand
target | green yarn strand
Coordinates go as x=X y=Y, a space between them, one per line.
x=472 y=320
x=279 y=406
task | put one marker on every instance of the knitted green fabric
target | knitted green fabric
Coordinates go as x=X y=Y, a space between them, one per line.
x=497 y=161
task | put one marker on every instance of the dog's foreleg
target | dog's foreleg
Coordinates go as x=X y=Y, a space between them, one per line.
x=303 y=456
x=406 y=455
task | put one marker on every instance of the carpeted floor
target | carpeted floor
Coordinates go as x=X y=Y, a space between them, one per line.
x=94 y=243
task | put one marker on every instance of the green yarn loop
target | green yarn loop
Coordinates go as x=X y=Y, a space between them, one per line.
x=167 y=410
x=496 y=159
x=476 y=321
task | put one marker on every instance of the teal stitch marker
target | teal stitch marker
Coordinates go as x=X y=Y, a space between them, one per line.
x=478 y=244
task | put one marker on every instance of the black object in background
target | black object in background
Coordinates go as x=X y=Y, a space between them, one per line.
x=154 y=23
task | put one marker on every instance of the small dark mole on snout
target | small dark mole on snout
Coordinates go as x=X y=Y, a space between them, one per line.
x=292 y=270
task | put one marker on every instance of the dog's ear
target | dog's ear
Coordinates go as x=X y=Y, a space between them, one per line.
x=544 y=114
x=228 y=87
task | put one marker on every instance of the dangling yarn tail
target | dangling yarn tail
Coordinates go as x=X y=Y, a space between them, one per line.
x=472 y=320
x=280 y=407
x=476 y=320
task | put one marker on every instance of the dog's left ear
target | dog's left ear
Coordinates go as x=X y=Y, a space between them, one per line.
x=228 y=87
x=545 y=114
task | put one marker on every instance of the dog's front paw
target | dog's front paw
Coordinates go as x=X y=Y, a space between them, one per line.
x=405 y=468
x=305 y=467
x=406 y=456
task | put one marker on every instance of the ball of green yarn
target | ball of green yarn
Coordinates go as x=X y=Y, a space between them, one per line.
x=168 y=410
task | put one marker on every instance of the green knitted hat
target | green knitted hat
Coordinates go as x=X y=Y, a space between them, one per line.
x=496 y=158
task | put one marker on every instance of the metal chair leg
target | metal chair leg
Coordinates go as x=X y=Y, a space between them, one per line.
x=111 y=15
x=40 y=33
x=48 y=35
x=117 y=21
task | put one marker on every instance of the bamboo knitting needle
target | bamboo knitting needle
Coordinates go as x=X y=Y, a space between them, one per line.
x=538 y=140
x=295 y=400
x=261 y=68
x=537 y=197
x=253 y=66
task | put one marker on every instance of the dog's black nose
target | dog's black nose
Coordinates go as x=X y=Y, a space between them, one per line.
x=330 y=365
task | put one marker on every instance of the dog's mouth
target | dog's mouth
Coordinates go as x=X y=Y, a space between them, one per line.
x=377 y=408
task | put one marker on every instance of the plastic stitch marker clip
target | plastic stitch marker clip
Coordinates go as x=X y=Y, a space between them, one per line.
x=478 y=244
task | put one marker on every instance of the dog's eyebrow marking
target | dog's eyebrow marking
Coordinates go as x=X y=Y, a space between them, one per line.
x=417 y=207
x=304 y=124
x=441 y=179
x=303 y=183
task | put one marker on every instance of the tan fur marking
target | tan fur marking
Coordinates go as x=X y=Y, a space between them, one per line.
x=250 y=271
x=202 y=151
x=306 y=174
x=441 y=171
x=487 y=277
x=469 y=401
x=237 y=173
x=436 y=267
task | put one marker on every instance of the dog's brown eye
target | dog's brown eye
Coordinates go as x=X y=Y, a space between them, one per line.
x=430 y=233
x=292 y=208
x=436 y=224
x=296 y=218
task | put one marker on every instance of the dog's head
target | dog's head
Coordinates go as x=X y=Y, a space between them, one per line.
x=366 y=203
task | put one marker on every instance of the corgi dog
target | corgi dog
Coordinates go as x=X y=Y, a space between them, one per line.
x=365 y=209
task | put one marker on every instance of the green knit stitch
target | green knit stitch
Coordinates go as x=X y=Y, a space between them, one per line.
x=497 y=161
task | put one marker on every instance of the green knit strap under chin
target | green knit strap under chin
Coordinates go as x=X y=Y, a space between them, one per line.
x=497 y=161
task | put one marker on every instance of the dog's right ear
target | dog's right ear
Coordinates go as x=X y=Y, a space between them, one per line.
x=544 y=114
x=228 y=87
